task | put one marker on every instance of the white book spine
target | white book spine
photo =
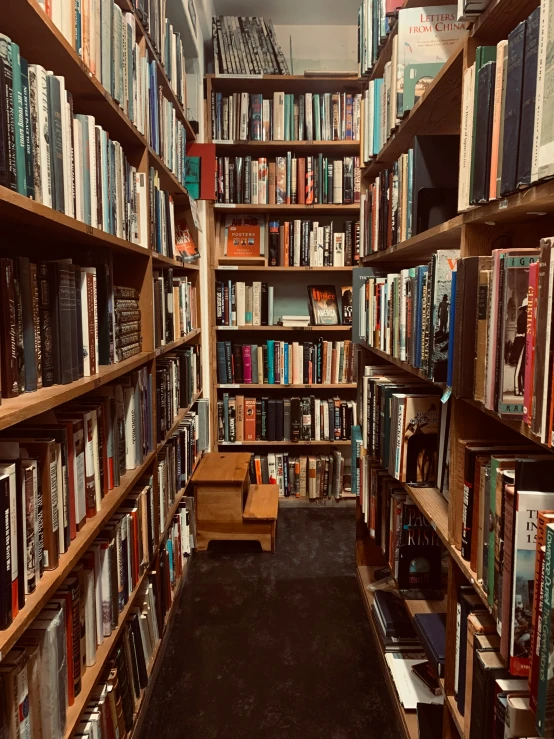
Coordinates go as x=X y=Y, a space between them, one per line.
x=77 y=138
x=92 y=155
x=256 y=304
x=308 y=112
x=244 y=110
x=84 y=323
x=297 y=240
x=539 y=96
x=241 y=303
x=278 y=116
x=337 y=182
x=270 y=299
x=254 y=183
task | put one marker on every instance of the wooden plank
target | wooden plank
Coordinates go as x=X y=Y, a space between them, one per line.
x=421 y=247
x=288 y=329
x=262 y=503
x=501 y=17
x=403 y=365
x=296 y=444
x=271 y=83
x=276 y=209
x=222 y=468
x=272 y=148
x=252 y=268
x=178 y=342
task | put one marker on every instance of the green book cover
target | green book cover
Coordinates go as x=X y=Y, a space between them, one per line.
x=484 y=55
x=18 y=119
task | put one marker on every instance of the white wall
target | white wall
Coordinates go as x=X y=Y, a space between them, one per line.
x=332 y=48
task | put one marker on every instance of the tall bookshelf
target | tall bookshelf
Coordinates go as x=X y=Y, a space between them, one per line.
x=42 y=233
x=289 y=280
x=524 y=217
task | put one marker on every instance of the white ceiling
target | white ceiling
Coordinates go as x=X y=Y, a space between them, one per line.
x=295 y=12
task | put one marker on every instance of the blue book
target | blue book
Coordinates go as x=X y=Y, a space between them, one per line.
x=450 y=365
x=377 y=116
x=169 y=547
x=226 y=415
x=285 y=378
x=78 y=28
x=271 y=362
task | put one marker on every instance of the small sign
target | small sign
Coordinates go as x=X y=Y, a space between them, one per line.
x=503 y=204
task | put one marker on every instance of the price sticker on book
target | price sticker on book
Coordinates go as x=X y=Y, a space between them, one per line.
x=446 y=395
x=194 y=213
x=230 y=385
x=228 y=267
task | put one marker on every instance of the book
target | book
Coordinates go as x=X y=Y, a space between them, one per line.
x=322 y=302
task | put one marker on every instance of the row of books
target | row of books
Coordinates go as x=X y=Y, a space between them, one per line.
x=424 y=40
x=410 y=314
x=288 y=180
x=505 y=135
x=241 y=419
x=506 y=304
x=178 y=383
x=61 y=159
x=59 y=322
x=175 y=310
x=246 y=45
x=43 y=674
x=510 y=486
x=375 y=20
x=167 y=43
x=285 y=363
x=66 y=462
x=313 y=476
x=302 y=243
x=415 y=193
x=244 y=116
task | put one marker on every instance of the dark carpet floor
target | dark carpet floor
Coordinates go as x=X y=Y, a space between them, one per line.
x=274 y=646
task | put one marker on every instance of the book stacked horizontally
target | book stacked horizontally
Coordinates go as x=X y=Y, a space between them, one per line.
x=246 y=45
x=294 y=321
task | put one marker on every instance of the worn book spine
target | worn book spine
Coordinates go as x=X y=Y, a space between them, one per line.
x=8 y=354
x=512 y=113
x=528 y=98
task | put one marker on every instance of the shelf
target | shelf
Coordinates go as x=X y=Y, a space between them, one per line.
x=285 y=443
x=501 y=17
x=438 y=111
x=176 y=344
x=271 y=148
x=275 y=209
x=450 y=703
x=284 y=328
x=270 y=83
x=163 y=261
x=434 y=507
x=421 y=247
x=178 y=418
x=31 y=216
x=518 y=426
x=268 y=386
x=403 y=365
x=26 y=405
x=264 y=268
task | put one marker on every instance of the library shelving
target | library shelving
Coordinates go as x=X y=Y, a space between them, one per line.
x=518 y=220
x=289 y=282
x=42 y=233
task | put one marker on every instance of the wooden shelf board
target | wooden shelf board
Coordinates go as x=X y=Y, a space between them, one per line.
x=284 y=443
x=403 y=365
x=501 y=17
x=340 y=327
x=420 y=247
x=23 y=212
x=178 y=418
x=275 y=209
x=268 y=386
x=176 y=344
x=436 y=112
x=161 y=259
x=270 y=83
x=434 y=507
x=168 y=181
x=304 y=148
x=518 y=426
x=452 y=706
x=264 y=268
x=26 y=405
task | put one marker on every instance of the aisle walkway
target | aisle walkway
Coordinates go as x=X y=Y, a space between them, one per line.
x=274 y=646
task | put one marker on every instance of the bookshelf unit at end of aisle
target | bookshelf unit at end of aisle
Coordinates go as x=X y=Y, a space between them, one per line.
x=517 y=219
x=109 y=256
x=283 y=139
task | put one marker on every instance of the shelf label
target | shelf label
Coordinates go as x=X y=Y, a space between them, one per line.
x=230 y=385
x=89 y=229
x=503 y=204
x=226 y=205
x=227 y=267
x=231 y=443
x=239 y=76
x=228 y=328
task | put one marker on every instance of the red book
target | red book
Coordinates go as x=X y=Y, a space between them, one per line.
x=301 y=183
x=246 y=364
x=530 y=342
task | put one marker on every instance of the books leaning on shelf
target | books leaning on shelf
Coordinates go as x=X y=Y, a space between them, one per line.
x=506 y=137
x=284 y=419
x=178 y=382
x=286 y=117
x=246 y=45
x=284 y=363
x=425 y=39
x=302 y=243
x=312 y=476
x=175 y=307
x=288 y=180
x=409 y=314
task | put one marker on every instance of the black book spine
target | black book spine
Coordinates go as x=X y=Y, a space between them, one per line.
x=483 y=133
x=229 y=359
x=273 y=244
x=296 y=419
x=279 y=419
x=31 y=376
x=79 y=323
x=5 y=556
x=46 y=328
x=222 y=376
x=247 y=176
x=4 y=160
x=271 y=420
x=527 y=126
x=348 y=230
x=319 y=373
x=482 y=698
x=29 y=176
x=265 y=416
x=512 y=114
x=306 y=363
x=56 y=144
x=71 y=298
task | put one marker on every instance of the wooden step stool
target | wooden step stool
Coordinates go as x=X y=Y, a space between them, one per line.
x=228 y=507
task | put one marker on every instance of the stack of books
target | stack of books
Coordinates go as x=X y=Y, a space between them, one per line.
x=246 y=45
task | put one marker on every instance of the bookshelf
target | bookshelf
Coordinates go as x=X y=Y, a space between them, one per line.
x=290 y=281
x=521 y=219
x=42 y=233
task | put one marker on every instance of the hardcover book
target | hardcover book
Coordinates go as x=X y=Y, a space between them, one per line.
x=323 y=305
x=444 y=263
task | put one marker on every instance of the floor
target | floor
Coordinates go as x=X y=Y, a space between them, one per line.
x=274 y=646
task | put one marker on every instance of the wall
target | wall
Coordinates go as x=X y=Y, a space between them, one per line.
x=332 y=48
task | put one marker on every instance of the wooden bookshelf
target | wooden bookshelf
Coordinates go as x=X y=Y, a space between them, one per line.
x=269 y=386
x=265 y=268
x=320 y=208
x=403 y=365
x=323 y=329
x=42 y=233
x=295 y=444
x=273 y=148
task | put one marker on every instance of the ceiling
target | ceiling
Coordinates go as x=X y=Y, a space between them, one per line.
x=295 y=12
